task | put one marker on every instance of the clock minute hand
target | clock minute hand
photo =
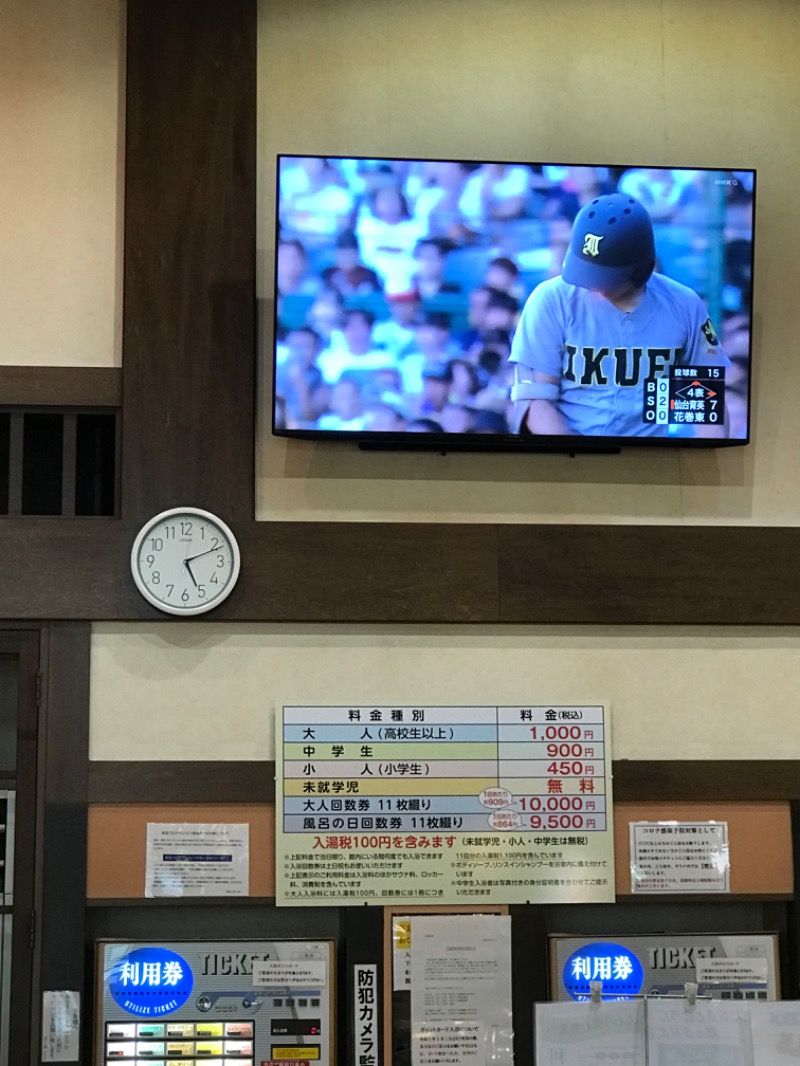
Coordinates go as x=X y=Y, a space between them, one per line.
x=191 y=575
x=192 y=558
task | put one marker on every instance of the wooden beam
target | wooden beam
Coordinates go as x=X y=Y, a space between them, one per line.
x=409 y=573
x=340 y=572
x=60 y=386
x=660 y=575
x=190 y=258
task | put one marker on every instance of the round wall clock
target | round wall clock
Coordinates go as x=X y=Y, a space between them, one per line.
x=185 y=561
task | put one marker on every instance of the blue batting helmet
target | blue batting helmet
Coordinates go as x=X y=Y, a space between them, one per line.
x=612 y=243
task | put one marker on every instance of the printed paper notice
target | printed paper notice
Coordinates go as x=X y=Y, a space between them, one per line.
x=753 y=972
x=197 y=859
x=461 y=992
x=401 y=805
x=275 y=973
x=776 y=1033
x=707 y=1033
x=61 y=1026
x=679 y=857
x=590 y=1034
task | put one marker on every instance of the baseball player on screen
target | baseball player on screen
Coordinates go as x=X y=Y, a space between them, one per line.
x=591 y=343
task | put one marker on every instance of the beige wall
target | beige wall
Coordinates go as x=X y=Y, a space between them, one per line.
x=60 y=132
x=204 y=691
x=692 y=82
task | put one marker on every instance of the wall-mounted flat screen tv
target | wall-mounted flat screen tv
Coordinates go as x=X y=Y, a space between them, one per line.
x=446 y=304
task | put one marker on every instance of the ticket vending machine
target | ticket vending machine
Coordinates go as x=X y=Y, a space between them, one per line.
x=732 y=966
x=253 y=1003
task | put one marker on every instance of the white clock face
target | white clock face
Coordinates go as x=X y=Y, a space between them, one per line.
x=185 y=561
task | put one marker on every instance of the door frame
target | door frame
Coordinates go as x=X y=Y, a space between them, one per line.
x=24 y=645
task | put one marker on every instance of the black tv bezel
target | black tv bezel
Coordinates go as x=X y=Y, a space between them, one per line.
x=510 y=443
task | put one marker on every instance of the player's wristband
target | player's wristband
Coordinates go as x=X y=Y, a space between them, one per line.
x=534 y=390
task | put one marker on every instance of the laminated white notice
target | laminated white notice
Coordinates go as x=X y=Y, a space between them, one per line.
x=61 y=1026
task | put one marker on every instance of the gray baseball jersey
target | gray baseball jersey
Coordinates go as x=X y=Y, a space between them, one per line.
x=603 y=356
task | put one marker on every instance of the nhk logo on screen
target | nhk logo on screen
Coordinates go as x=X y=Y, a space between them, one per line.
x=615 y=967
x=150 y=982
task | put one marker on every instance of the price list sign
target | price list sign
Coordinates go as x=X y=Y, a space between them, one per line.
x=389 y=805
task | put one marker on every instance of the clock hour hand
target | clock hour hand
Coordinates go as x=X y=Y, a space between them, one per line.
x=191 y=575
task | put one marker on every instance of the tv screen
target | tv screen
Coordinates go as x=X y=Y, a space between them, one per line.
x=447 y=304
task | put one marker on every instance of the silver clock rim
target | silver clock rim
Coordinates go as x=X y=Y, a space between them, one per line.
x=194 y=512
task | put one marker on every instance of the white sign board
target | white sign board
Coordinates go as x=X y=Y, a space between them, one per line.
x=197 y=859
x=483 y=804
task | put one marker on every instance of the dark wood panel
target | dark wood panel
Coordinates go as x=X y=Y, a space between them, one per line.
x=57 y=386
x=426 y=573
x=707 y=779
x=707 y=897
x=182 y=782
x=63 y=855
x=361 y=944
x=66 y=568
x=715 y=575
x=339 y=572
x=189 y=299
x=529 y=982
x=24 y=647
x=368 y=573
x=201 y=919
x=183 y=901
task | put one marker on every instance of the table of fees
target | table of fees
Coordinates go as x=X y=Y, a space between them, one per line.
x=444 y=769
